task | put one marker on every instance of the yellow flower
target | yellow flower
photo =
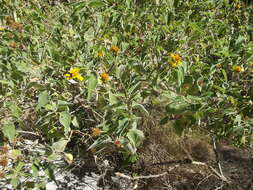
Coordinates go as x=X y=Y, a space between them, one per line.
x=105 y=77
x=74 y=74
x=101 y=54
x=174 y=64
x=2 y=28
x=96 y=132
x=175 y=60
x=176 y=57
x=115 y=49
x=237 y=68
x=238 y=5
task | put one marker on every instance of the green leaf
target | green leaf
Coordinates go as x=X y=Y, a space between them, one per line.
x=130 y=148
x=178 y=127
x=60 y=145
x=89 y=35
x=35 y=170
x=15 y=110
x=41 y=185
x=43 y=100
x=133 y=90
x=100 y=143
x=75 y=122
x=225 y=75
x=181 y=70
x=15 y=182
x=9 y=131
x=177 y=107
x=140 y=107
x=15 y=154
x=92 y=83
x=50 y=172
x=30 y=184
x=112 y=98
x=243 y=140
x=9 y=83
x=176 y=3
x=96 y=3
x=239 y=40
x=135 y=136
x=52 y=157
x=222 y=90
x=63 y=103
x=99 y=21
x=164 y=120
x=65 y=120
x=19 y=166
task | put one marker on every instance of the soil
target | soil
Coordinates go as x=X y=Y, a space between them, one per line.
x=163 y=149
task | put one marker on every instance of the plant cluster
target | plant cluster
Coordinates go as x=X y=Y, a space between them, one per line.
x=92 y=71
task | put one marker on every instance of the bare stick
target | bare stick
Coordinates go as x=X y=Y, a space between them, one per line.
x=139 y=177
x=204 y=179
x=222 y=177
x=217 y=156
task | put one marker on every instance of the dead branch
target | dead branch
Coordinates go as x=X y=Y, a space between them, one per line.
x=222 y=177
x=139 y=177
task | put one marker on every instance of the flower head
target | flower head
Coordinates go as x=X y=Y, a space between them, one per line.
x=115 y=49
x=4 y=149
x=96 y=132
x=8 y=19
x=101 y=54
x=13 y=44
x=237 y=68
x=238 y=5
x=4 y=161
x=74 y=74
x=105 y=77
x=16 y=26
x=175 y=57
x=118 y=143
x=174 y=64
x=2 y=28
x=176 y=60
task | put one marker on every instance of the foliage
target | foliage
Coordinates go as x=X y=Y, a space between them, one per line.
x=98 y=68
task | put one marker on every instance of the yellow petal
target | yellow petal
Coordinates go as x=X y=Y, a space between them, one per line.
x=101 y=54
x=105 y=77
x=68 y=76
x=74 y=71
x=115 y=48
x=79 y=77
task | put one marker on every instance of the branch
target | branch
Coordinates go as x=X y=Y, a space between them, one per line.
x=139 y=177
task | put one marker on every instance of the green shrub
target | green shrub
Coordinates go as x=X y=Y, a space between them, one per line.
x=98 y=68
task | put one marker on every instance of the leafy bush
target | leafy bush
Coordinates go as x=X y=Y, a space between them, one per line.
x=94 y=70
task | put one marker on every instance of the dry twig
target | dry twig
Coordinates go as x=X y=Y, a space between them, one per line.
x=139 y=177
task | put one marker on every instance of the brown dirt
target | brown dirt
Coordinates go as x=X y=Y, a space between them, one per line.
x=163 y=147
